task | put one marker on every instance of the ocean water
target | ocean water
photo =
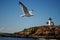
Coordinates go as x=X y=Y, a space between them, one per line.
x=8 y=38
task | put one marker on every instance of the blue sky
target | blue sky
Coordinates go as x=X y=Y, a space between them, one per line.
x=10 y=11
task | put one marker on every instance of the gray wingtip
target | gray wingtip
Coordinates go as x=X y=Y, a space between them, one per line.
x=20 y=2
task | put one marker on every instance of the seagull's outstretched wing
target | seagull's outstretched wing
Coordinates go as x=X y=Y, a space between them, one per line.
x=25 y=10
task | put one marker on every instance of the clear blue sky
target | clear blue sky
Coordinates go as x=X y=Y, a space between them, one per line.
x=10 y=11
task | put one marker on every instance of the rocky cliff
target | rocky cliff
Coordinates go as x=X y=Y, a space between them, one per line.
x=40 y=31
x=37 y=32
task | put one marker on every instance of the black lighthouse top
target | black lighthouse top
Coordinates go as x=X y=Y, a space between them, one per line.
x=49 y=19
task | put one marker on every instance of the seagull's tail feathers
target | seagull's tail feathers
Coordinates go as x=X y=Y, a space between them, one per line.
x=30 y=12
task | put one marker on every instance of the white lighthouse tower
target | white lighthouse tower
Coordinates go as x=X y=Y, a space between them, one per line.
x=50 y=22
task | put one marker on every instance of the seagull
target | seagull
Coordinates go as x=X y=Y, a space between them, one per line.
x=26 y=13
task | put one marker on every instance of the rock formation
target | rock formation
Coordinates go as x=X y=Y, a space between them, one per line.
x=36 y=32
x=40 y=31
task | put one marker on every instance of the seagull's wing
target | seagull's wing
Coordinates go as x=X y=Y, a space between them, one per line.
x=25 y=10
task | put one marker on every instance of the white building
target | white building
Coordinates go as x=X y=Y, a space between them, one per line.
x=50 y=22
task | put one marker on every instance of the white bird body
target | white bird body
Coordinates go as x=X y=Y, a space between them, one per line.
x=26 y=13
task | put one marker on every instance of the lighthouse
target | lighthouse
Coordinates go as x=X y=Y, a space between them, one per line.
x=50 y=22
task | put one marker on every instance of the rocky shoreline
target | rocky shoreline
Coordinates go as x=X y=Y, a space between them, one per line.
x=36 y=32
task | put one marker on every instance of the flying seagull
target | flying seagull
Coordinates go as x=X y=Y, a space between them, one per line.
x=26 y=13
